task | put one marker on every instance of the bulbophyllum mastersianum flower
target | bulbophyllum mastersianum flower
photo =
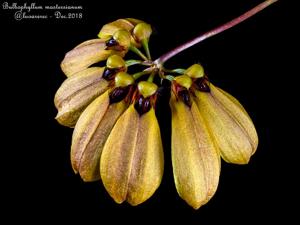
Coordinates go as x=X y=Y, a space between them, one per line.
x=117 y=137
x=131 y=163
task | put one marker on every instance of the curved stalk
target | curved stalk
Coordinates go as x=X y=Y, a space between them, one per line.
x=161 y=60
x=138 y=52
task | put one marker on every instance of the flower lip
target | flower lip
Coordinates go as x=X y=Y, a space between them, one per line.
x=111 y=42
x=202 y=84
x=118 y=94
x=184 y=95
x=109 y=73
x=120 y=41
x=181 y=92
x=142 y=105
x=114 y=64
x=145 y=96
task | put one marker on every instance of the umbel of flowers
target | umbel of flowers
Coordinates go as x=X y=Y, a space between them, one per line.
x=116 y=137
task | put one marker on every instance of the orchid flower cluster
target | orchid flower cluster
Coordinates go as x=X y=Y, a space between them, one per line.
x=117 y=137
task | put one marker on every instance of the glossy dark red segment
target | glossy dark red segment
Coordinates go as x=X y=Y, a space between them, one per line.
x=142 y=105
x=111 y=42
x=184 y=95
x=118 y=94
x=202 y=84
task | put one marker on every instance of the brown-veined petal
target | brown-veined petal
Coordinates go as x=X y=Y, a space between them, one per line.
x=134 y=21
x=110 y=28
x=229 y=124
x=131 y=164
x=195 y=159
x=84 y=55
x=90 y=133
x=89 y=42
x=237 y=111
x=77 y=92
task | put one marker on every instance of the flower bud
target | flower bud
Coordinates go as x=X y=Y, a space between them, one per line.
x=123 y=38
x=184 y=81
x=114 y=62
x=195 y=71
x=146 y=88
x=142 y=31
x=123 y=79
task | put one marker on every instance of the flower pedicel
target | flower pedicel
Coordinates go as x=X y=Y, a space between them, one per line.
x=116 y=136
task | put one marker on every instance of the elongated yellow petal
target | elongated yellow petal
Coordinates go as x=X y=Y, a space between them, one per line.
x=217 y=92
x=90 y=134
x=195 y=159
x=109 y=29
x=234 y=143
x=89 y=42
x=86 y=126
x=237 y=111
x=131 y=164
x=77 y=92
x=84 y=55
x=134 y=21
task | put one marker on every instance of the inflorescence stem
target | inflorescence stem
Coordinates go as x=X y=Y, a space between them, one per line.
x=161 y=60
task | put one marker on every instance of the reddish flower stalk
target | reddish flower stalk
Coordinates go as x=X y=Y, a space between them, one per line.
x=161 y=60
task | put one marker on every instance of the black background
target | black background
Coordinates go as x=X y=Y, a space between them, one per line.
x=251 y=61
